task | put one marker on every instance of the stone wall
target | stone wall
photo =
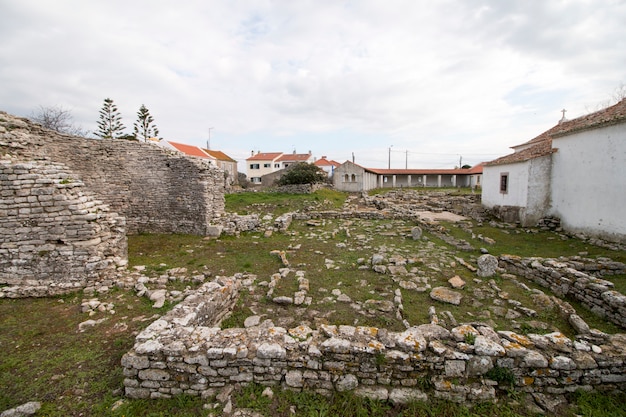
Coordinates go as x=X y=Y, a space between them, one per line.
x=573 y=277
x=157 y=190
x=184 y=352
x=55 y=236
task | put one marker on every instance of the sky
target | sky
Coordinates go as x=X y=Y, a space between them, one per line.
x=394 y=83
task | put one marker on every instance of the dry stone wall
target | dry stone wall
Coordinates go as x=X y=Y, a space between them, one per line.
x=157 y=190
x=573 y=278
x=185 y=352
x=55 y=236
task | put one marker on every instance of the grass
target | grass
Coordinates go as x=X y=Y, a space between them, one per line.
x=280 y=203
x=330 y=254
x=45 y=358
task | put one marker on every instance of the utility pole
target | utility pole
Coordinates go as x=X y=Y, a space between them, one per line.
x=389 y=162
x=208 y=142
x=460 y=161
x=406 y=160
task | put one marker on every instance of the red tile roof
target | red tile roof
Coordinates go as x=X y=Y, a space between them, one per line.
x=189 y=150
x=295 y=157
x=265 y=156
x=456 y=171
x=219 y=155
x=323 y=162
x=542 y=144
x=612 y=115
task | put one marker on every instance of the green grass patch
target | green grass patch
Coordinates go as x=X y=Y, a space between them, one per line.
x=279 y=203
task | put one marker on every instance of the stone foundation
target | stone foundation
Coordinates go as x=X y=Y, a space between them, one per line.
x=185 y=352
x=573 y=278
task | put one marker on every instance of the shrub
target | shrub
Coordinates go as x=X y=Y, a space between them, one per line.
x=303 y=173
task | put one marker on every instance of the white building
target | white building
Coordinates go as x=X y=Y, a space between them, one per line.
x=575 y=171
x=263 y=163
x=351 y=177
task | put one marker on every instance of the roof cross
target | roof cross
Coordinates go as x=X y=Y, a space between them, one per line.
x=563 y=111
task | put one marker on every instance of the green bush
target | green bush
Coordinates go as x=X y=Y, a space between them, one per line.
x=303 y=173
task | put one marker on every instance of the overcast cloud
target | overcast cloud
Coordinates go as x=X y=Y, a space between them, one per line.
x=432 y=81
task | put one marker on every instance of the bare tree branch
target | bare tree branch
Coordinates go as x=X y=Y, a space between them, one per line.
x=59 y=119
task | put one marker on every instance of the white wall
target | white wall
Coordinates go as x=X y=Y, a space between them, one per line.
x=257 y=173
x=349 y=169
x=538 y=193
x=517 y=194
x=589 y=181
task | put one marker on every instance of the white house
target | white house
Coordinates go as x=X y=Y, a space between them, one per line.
x=260 y=164
x=327 y=165
x=351 y=177
x=575 y=171
x=263 y=163
x=228 y=164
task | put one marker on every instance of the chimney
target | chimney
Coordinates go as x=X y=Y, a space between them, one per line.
x=252 y=153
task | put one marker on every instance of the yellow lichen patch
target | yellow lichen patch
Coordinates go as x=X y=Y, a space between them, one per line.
x=522 y=340
x=528 y=380
x=367 y=331
x=374 y=344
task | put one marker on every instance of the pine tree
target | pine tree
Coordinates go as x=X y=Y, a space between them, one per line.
x=110 y=125
x=144 y=126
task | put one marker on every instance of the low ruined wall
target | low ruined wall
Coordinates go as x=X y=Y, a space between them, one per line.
x=157 y=190
x=55 y=237
x=572 y=278
x=298 y=188
x=183 y=352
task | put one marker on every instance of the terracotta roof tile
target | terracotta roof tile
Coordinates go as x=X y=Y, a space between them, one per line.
x=295 y=157
x=323 y=162
x=219 y=155
x=190 y=150
x=265 y=156
x=456 y=171
x=542 y=144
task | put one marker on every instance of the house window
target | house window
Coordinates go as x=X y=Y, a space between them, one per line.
x=255 y=180
x=276 y=165
x=267 y=165
x=254 y=166
x=353 y=178
x=346 y=178
x=504 y=183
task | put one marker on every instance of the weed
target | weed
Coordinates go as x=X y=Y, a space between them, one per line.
x=470 y=338
x=503 y=376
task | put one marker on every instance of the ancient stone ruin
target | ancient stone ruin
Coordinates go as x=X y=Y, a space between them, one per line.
x=55 y=236
x=186 y=352
x=67 y=203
